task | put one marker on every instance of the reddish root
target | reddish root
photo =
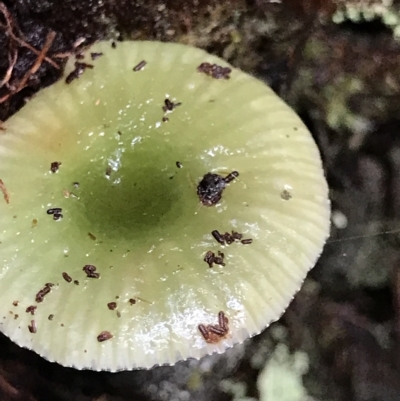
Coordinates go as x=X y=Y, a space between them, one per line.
x=17 y=40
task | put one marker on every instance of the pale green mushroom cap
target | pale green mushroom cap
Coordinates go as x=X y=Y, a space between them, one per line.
x=149 y=232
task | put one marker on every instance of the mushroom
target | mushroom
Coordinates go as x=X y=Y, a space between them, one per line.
x=130 y=227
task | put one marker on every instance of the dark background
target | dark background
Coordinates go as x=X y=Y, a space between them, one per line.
x=344 y=81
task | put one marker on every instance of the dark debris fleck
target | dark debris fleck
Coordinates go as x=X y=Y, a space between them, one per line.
x=90 y=271
x=210 y=258
x=211 y=187
x=78 y=71
x=31 y=309
x=54 y=210
x=57 y=216
x=214 y=333
x=112 y=305
x=140 y=66
x=227 y=239
x=44 y=291
x=55 y=166
x=215 y=71
x=95 y=56
x=104 y=336
x=32 y=327
x=66 y=277
x=169 y=105
x=92 y=236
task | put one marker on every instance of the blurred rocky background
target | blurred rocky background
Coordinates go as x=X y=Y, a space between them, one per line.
x=337 y=62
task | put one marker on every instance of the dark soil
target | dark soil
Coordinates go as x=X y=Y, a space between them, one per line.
x=344 y=80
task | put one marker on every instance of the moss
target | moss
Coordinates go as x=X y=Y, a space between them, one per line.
x=366 y=10
x=337 y=94
x=281 y=378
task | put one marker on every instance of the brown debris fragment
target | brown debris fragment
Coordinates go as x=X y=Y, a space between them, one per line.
x=140 y=66
x=132 y=301
x=32 y=327
x=219 y=260
x=227 y=239
x=92 y=236
x=57 y=216
x=169 y=105
x=210 y=188
x=4 y=190
x=51 y=317
x=214 y=333
x=31 y=309
x=104 y=336
x=78 y=71
x=66 y=277
x=112 y=305
x=230 y=177
x=95 y=56
x=215 y=71
x=54 y=210
x=15 y=303
x=54 y=166
x=76 y=282
x=210 y=258
x=237 y=235
x=44 y=291
x=218 y=237
x=90 y=271
x=286 y=195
